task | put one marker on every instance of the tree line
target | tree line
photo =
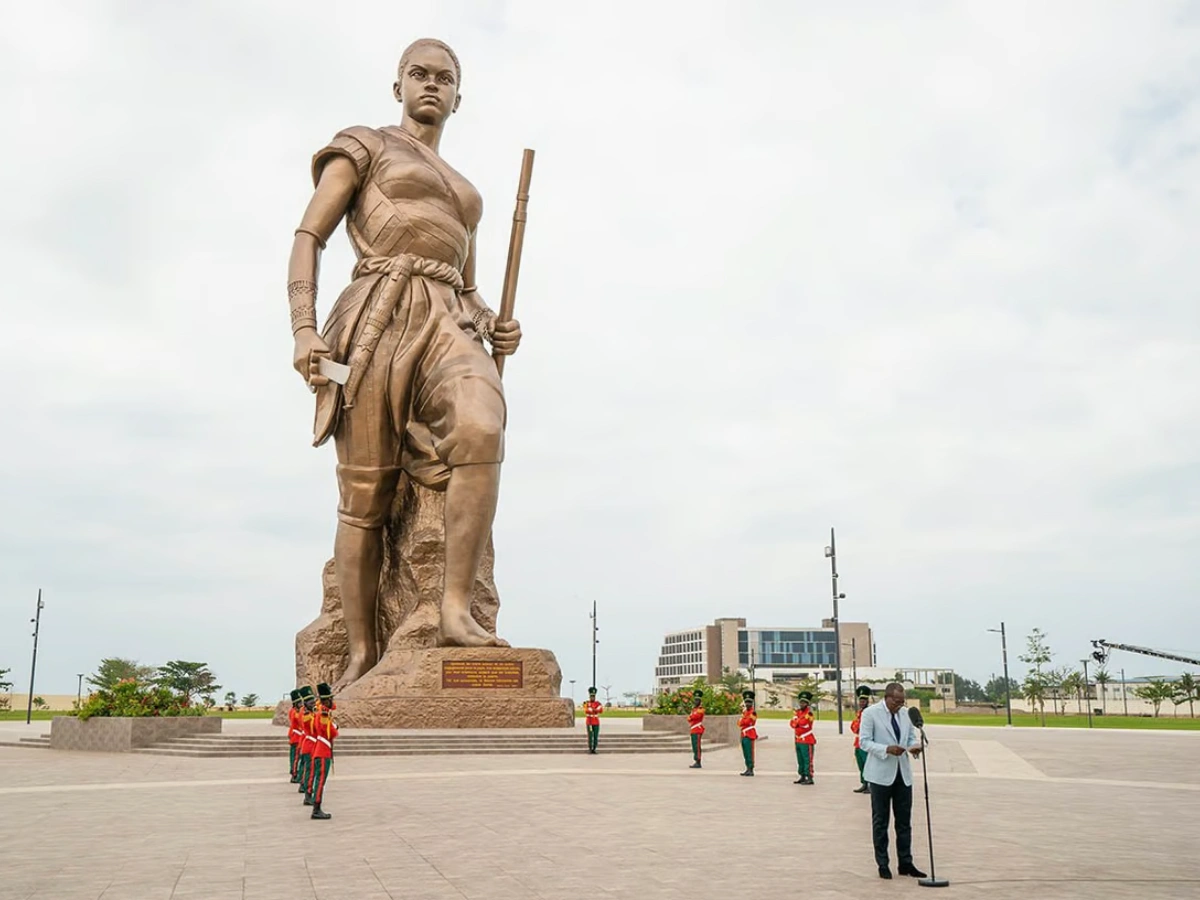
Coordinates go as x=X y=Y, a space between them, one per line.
x=191 y=680
x=1061 y=684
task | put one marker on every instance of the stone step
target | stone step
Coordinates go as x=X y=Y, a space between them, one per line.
x=169 y=749
x=27 y=744
x=472 y=740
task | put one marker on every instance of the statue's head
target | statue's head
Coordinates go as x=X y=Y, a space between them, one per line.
x=427 y=81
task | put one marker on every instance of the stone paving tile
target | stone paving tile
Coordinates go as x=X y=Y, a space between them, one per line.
x=611 y=826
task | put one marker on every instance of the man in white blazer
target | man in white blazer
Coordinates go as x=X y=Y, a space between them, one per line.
x=887 y=734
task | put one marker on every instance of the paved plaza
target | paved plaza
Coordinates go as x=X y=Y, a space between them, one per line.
x=1039 y=814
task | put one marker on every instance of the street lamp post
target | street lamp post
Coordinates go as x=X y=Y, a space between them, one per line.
x=853 y=666
x=37 y=627
x=831 y=553
x=572 y=682
x=1007 y=683
x=1087 y=692
x=595 y=641
x=753 y=678
x=1124 y=692
x=79 y=693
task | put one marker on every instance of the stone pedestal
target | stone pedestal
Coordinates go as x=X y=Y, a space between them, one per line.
x=454 y=687
x=123 y=734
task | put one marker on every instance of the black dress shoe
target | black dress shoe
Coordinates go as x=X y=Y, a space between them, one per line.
x=885 y=872
x=862 y=790
x=694 y=765
x=912 y=871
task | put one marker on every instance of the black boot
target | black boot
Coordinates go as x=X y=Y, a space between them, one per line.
x=695 y=765
x=862 y=790
x=317 y=812
x=308 y=801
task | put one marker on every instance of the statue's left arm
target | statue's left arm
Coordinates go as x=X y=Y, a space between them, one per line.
x=504 y=336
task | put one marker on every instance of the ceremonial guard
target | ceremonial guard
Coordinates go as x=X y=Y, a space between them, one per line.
x=860 y=755
x=696 y=726
x=324 y=732
x=592 y=709
x=806 y=741
x=304 y=770
x=748 y=723
x=295 y=716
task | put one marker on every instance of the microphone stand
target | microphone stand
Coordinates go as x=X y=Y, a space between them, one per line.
x=932 y=880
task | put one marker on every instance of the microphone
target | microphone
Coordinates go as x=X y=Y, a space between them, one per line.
x=918 y=721
x=914 y=716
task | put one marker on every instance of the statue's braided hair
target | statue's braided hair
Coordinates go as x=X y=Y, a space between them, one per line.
x=430 y=42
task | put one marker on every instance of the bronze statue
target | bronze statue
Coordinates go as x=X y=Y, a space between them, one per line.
x=402 y=377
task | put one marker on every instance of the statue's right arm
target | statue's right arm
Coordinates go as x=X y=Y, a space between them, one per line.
x=330 y=201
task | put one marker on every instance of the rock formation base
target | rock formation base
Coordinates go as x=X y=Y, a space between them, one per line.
x=455 y=687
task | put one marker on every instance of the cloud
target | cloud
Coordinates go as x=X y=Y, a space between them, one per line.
x=925 y=275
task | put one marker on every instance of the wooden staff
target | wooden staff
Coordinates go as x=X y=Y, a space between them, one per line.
x=516 y=242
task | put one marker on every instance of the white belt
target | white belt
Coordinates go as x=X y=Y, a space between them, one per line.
x=325 y=742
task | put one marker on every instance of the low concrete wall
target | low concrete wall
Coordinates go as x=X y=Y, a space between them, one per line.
x=121 y=735
x=719 y=729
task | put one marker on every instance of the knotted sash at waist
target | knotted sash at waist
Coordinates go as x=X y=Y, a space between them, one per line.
x=397 y=272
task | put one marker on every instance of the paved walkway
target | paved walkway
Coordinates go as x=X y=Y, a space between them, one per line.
x=1017 y=814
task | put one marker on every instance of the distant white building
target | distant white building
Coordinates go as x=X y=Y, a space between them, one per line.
x=772 y=654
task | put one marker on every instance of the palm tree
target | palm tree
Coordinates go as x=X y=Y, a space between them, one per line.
x=1034 y=690
x=1187 y=691
x=1102 y=679
x=1073 y=683
x=1156 y=692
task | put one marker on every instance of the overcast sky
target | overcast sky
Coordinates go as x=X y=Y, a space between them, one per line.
x=923 y=272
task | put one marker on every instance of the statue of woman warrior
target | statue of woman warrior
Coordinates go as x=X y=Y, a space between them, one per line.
x=421 y=393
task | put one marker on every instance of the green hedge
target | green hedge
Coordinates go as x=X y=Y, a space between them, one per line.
x=132 y=699
x=717 y=701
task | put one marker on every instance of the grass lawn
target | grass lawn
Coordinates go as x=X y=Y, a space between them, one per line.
x=1020 y=720
x=39 y=715
x=1073 y=720
x=243 y=713
x=45 y=715
x=614 y=713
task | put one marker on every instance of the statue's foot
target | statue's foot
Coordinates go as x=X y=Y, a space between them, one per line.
x=459 y=629
x=358 y=667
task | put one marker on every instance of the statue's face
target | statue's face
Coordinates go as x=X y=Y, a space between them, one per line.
x=428 y=87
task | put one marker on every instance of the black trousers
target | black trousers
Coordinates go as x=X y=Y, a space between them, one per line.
x=895 y=798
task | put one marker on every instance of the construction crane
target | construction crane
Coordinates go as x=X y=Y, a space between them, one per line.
x=1103 y=647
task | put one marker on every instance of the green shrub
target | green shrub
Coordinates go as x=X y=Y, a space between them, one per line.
x=717 y=701
x=131 y=698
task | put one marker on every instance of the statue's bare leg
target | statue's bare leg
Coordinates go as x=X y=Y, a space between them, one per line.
x=358 y=557
x=471 y=496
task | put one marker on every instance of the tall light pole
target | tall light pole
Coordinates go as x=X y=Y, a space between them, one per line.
x=595 y=641
x=572 y=680
x=37 y=626
x=831 y=554
x=753 y=678
x=79 y=692
x=853 y=665
x=1007 y=683
x=1087 y=692
x=1124 y=691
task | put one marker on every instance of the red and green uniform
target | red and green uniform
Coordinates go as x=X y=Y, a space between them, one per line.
x=294 y=735
x=748 y=724
x=324 y=732
x=305 y=749
x=860 y=755
x=591 y=711
x=806 y=741
x=696 y=729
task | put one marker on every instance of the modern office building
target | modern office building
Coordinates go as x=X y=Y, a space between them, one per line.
x=773 y=654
